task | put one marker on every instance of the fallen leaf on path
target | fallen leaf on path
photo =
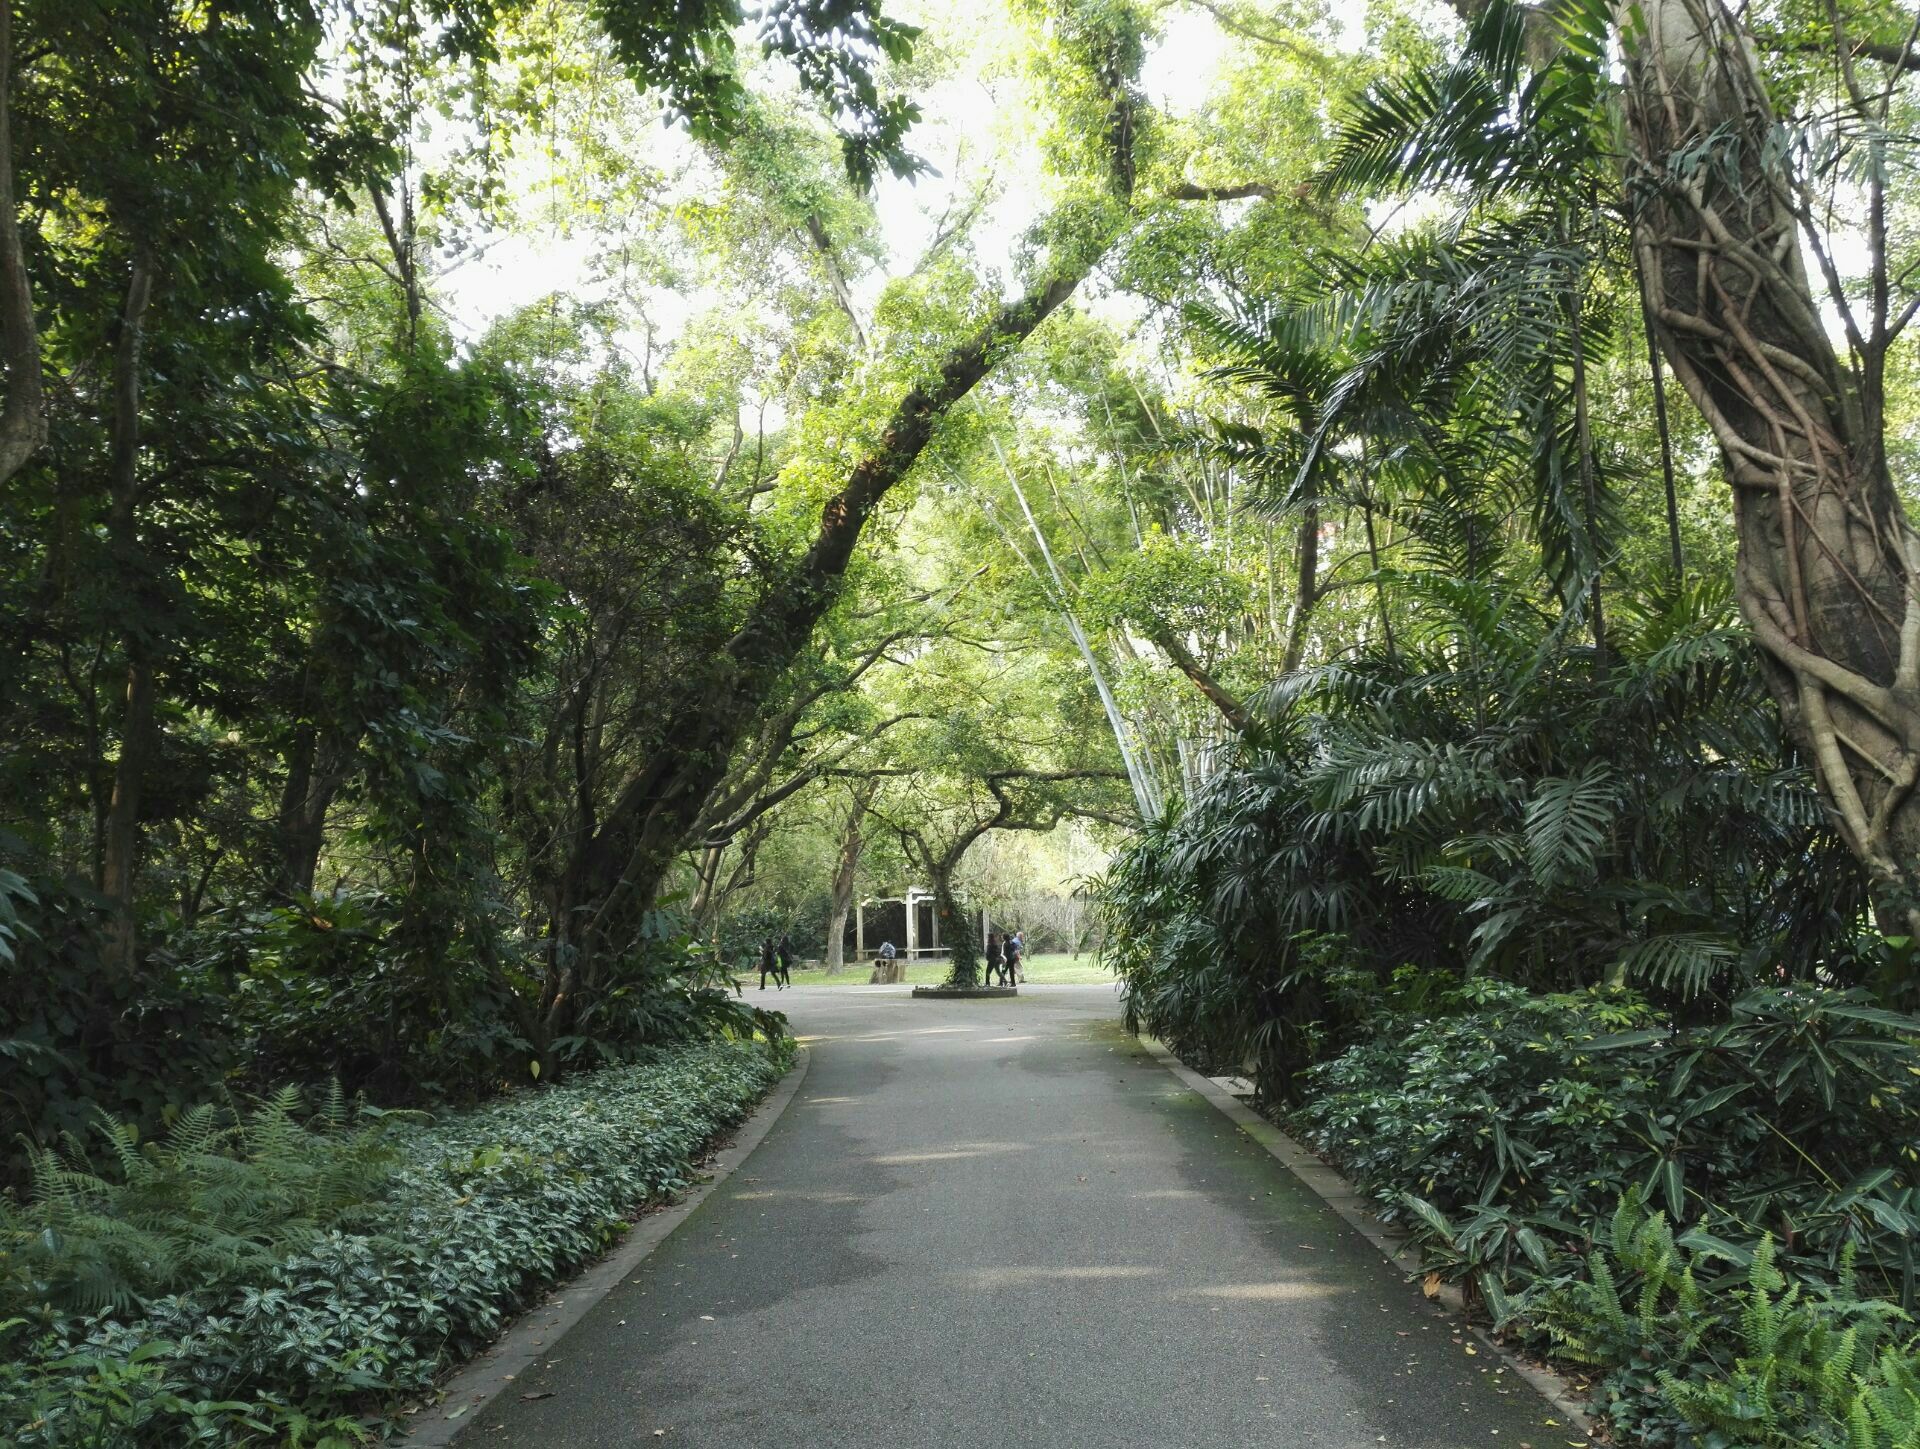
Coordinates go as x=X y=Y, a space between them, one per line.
x=537 y=1394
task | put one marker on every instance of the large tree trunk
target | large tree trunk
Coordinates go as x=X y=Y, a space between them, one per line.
x=1826 y=554
x=120 y=847
x=23 y=420
x=846 y=871
x=956 y=925
x=318 y=766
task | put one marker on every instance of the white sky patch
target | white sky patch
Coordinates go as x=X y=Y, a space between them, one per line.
x=510 y=271
x=1179 y=74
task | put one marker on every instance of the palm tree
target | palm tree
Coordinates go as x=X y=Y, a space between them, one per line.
x=1521 y=135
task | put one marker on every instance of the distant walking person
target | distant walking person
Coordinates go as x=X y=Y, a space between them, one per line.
x=1013 y=949
x=770 y=966
x=996 y=958
x=786 y=958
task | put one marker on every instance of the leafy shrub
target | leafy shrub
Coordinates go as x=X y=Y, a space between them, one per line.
x=336 y=987
x=475 y=1215
x=322 y=989
x=76 y=1040
x=1692 y=1352
x=1504 y=1100
x=669 y=989
x=1451 y=800
x=1786 y=1117
x=1505 y=1128
x=215 y=1204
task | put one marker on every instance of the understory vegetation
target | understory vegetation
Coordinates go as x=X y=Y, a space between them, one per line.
x=1541 y=903
x=277 y=1276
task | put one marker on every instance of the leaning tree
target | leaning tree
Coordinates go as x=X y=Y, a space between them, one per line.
x=611 y=882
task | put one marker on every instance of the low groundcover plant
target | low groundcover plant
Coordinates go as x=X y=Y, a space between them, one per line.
x=124 y=1321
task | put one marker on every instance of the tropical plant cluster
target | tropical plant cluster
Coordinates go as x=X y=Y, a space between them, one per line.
x=1536 y=888
x=1425 y=491
x=272 y=1276
x=1505 y=1128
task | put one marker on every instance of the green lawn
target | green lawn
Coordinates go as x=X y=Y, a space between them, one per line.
x=1055 y=970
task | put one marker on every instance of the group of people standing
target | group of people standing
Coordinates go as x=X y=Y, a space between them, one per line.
x=1004 y=955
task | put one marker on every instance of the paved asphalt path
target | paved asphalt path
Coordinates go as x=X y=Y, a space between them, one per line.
x=999 y=1223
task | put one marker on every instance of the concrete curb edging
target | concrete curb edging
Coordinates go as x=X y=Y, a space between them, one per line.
x=492 y=1373
x=1353 y=1209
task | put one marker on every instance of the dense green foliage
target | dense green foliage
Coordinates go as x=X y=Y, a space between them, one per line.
x=375 y=683
x=275 y=1281
x=1518 y=897
x=435 y=690
x=1460 y=801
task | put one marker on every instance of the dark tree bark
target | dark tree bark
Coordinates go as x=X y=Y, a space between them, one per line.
x=1827 y=557
x=846 y=870
x=1217 y=694
x=1238 y=191
x=23 y=421
x=120 y=846
x=319 y=765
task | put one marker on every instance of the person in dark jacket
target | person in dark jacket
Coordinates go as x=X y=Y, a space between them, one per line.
x=1013 y=948
x=996 y=958
x=769 y=965
x=785 y=952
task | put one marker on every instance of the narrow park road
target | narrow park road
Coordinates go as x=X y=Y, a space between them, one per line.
x=999 y=1223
